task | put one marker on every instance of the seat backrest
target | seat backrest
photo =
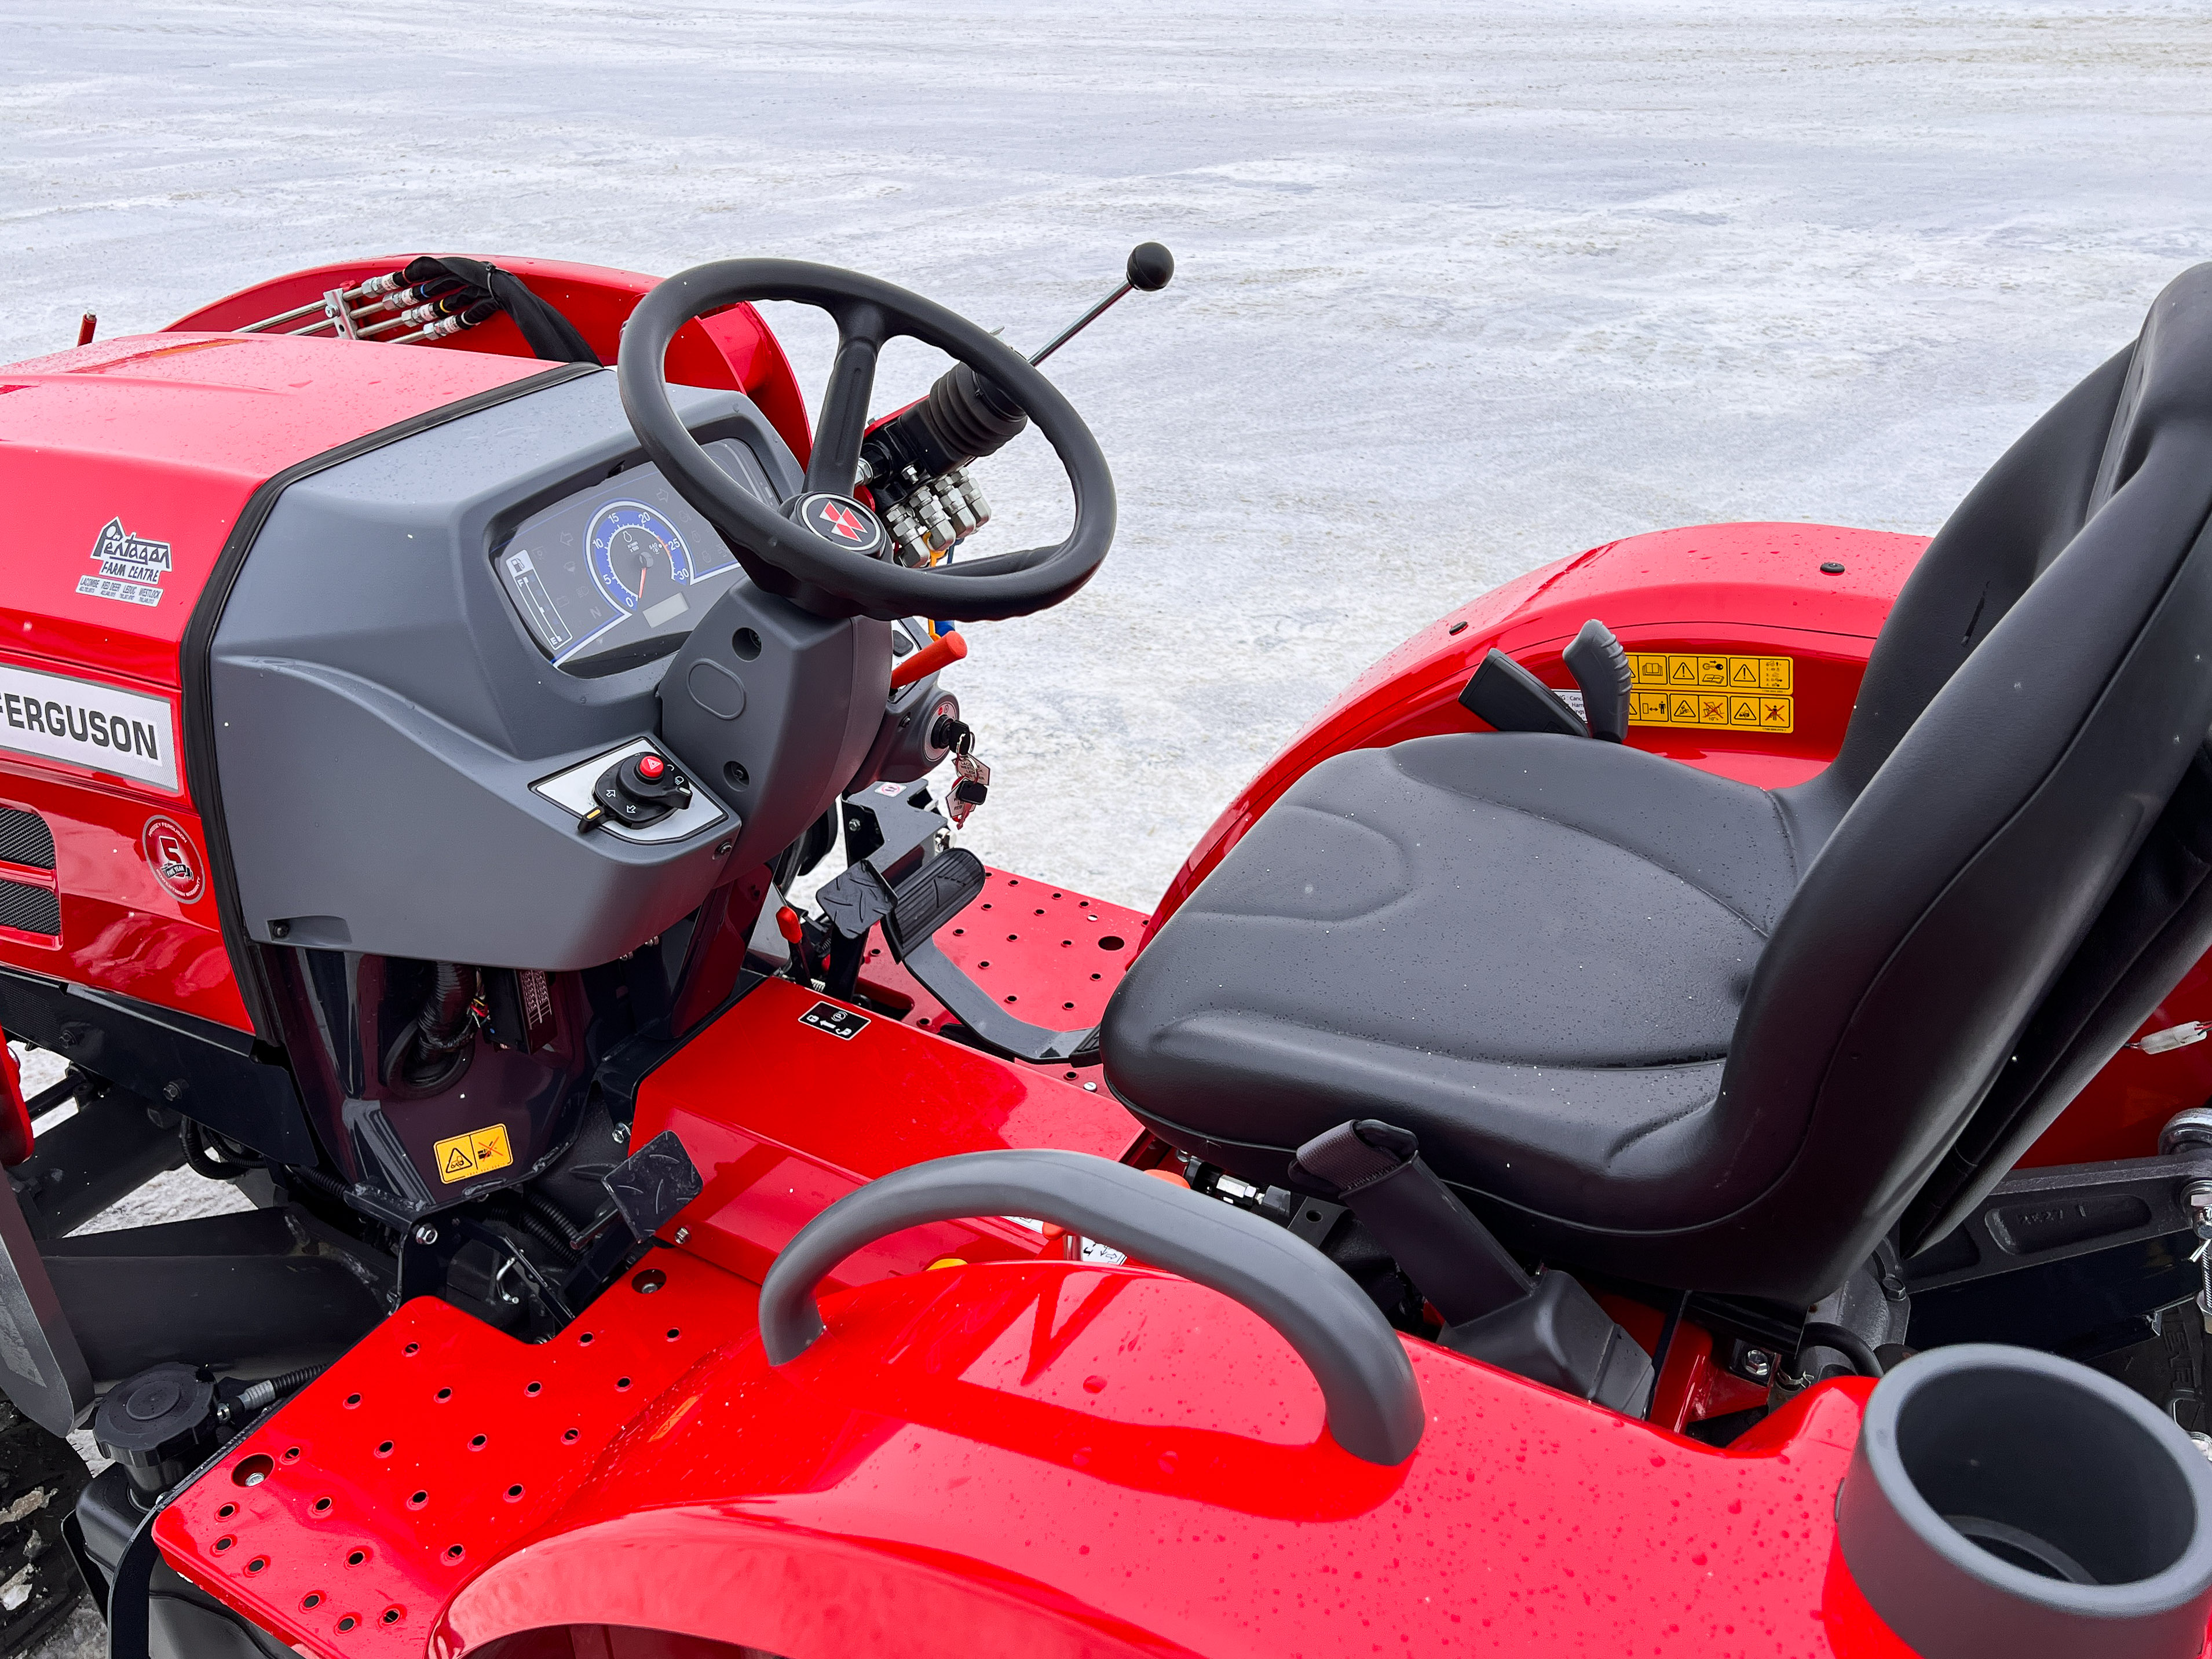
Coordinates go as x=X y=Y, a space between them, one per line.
x=2036 y=698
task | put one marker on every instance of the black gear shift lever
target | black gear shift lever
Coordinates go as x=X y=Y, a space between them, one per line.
x=1150 y=265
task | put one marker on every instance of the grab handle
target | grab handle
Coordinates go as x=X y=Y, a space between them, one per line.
x=1367 y=1383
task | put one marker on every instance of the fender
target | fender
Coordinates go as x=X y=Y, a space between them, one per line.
x=1052 y=1456
x=1750 y=589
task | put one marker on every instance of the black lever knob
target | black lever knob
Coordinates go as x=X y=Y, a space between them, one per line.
x=1150 y=265
x=1600 y=668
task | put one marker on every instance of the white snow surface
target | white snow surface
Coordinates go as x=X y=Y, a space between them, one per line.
x=1461 y=290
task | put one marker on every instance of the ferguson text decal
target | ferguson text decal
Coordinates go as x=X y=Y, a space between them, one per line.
x=130 y=567
x=121 y=733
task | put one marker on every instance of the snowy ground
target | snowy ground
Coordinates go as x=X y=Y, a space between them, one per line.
x=1461 y=288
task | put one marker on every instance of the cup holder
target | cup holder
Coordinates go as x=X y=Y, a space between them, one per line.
x=2002 y=1501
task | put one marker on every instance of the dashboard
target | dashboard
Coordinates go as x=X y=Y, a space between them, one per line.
x=617 y=574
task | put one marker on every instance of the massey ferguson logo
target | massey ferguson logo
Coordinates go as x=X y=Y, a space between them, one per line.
x=844 y=521
x=130 y=567
x=841 y=523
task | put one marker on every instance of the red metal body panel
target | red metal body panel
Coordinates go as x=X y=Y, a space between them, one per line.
x=822 y=1114
x=1014 y=1459
x=431 y=1450
x=169 y=436
x=733 y=349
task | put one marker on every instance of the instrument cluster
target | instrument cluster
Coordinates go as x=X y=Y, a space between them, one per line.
x=618 y=573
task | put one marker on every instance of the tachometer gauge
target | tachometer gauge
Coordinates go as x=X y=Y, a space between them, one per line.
x=638 y=560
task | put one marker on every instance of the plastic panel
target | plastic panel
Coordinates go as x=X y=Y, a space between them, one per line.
x=382 y=713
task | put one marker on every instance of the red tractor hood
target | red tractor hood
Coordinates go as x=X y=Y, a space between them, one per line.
x=126 y=464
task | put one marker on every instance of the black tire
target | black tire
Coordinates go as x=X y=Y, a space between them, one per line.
x=40 y=1475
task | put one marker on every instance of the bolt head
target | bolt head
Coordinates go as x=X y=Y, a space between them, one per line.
x=1758 y=1365
x=426 y=1234
x=683 y=1235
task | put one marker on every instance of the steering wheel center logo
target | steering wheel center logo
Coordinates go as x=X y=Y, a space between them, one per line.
x=842 y=522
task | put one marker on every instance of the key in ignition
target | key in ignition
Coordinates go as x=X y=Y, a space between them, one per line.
x=636 y=790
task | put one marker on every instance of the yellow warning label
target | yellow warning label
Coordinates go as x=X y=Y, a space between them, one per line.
x=1716 y=694
x=478 y=1152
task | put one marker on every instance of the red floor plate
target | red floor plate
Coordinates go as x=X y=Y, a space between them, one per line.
x=430 y=1451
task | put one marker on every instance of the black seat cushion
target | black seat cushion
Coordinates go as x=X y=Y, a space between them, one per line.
x=1530 y=950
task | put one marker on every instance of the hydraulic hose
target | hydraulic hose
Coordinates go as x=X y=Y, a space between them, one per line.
x=255 y=1396
x=434 y=1048
x=1848 y=1343
x=443 y=1025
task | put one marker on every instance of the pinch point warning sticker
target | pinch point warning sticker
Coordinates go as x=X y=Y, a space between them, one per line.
x=478 y=1152
x=1711 y=693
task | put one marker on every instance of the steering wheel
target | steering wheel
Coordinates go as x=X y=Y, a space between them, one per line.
x=822 y=549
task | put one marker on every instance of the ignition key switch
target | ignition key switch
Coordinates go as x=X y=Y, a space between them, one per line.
x=637 y=790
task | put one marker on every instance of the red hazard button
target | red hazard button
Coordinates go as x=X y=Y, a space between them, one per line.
x=651 y=766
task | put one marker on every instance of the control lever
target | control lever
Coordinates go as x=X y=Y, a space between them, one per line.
x=1150 y=267
x=942 y=651
x=1546 y=1328
x=1510 y=697
x=1600 y=668
x=915 y=462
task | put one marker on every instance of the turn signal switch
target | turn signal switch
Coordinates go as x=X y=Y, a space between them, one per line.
x=636 y=790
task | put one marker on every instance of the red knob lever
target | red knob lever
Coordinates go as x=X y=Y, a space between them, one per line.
x=941 y=653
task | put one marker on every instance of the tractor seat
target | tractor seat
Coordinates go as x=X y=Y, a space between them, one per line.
x=1530 y=950
x=1695 y=1034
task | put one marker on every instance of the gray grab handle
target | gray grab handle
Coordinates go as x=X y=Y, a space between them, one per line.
x=1367 y=1383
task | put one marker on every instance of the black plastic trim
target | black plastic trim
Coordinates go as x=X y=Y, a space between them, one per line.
x=198 y=650
x=215 y=1073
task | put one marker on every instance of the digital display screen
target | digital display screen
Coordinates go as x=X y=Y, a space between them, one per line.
x=618 y=573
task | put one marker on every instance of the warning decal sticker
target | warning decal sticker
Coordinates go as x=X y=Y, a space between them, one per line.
x=478 y=1152
x=840 y=1023
x=1738 y=694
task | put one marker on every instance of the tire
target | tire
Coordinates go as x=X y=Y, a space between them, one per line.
x=40 y=1475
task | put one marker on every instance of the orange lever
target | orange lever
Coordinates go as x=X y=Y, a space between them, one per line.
x=941 y=653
